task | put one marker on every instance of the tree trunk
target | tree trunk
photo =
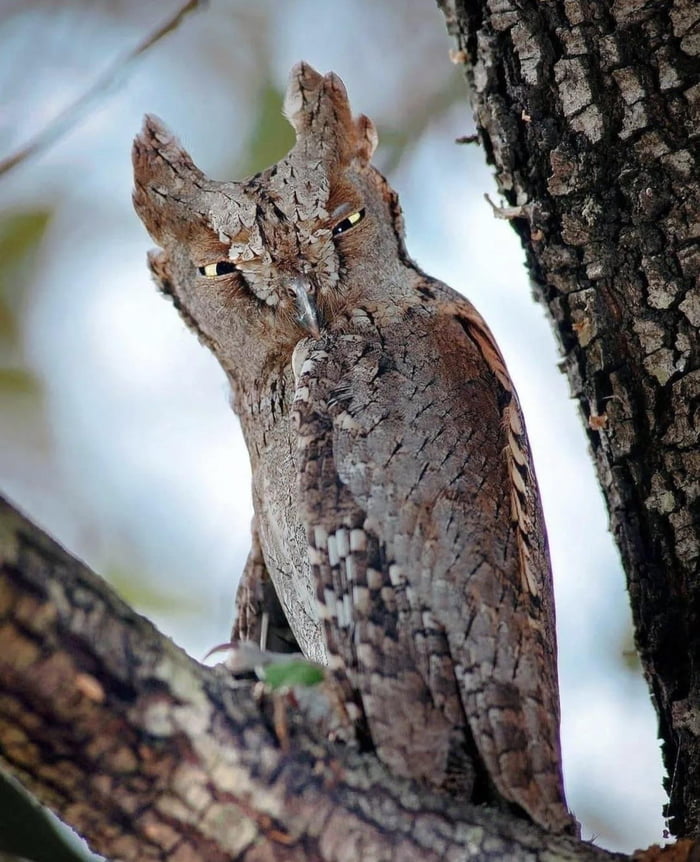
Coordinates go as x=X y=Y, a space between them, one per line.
x=588 y=111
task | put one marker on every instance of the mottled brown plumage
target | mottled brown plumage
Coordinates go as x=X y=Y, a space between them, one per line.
x=396 y=511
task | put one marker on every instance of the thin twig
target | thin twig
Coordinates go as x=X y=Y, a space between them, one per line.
x=71 y=115
x=510 y=213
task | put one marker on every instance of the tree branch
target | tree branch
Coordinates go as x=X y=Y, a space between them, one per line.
x=152 y=756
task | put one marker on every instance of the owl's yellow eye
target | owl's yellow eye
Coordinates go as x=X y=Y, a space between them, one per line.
x=347 y=223
x=212 y=270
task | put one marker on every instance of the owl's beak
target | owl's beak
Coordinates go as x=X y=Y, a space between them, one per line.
x=308 y=314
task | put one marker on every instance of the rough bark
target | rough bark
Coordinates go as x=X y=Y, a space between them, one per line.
x=152 y=756
x=588 y=110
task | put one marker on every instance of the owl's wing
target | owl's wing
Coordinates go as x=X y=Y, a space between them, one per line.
x=428 y=548
x=259 y=614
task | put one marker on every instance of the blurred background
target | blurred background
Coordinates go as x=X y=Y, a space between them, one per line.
x=115 y=430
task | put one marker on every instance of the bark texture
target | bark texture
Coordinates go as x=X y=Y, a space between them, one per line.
x=589 y=112
x=151 y=756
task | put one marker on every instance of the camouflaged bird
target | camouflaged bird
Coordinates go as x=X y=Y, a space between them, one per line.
x=398 y=527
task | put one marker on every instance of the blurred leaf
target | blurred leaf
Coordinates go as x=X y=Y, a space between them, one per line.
x=271 y=138
x=20 y=381
x=395 y=145
x=22 y=406
x=291 y=673
x=147 y=593
x=20 y=235
x=27 y=829
x=26 y=432
x=25 y=424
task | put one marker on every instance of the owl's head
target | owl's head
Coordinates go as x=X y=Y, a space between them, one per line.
x=257 y=265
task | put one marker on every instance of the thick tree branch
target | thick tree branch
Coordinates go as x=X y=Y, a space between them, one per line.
x=588 y=110
x=152 y=756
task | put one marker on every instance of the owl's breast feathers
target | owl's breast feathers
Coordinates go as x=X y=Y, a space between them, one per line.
x=428 y=548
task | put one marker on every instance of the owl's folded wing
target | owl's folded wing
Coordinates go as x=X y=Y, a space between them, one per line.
x=415 y=498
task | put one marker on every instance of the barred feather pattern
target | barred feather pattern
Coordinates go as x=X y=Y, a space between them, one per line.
x=398 y=533
x=405 y=530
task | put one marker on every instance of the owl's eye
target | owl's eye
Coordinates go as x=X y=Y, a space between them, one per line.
x=212 y=270
x=347 y=223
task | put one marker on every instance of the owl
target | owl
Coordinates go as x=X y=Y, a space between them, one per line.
x=398 y=535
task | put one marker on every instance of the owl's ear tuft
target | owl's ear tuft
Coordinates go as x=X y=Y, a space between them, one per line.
x=166 y=180
x=367 y=138
x=159 y=264
x=302 y=94
x=318 y=108
x=158 y=157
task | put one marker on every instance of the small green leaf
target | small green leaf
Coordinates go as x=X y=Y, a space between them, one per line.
x=291 y=673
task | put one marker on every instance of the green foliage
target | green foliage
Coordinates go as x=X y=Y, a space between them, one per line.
x=19 y=381
x=25 y=425
x=20 y=233
x=27 y=830
x=271 y=137
x=140 y=588
x=20 y=236
x=291 y=673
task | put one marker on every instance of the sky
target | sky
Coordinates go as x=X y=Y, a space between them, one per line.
x=130 y=454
